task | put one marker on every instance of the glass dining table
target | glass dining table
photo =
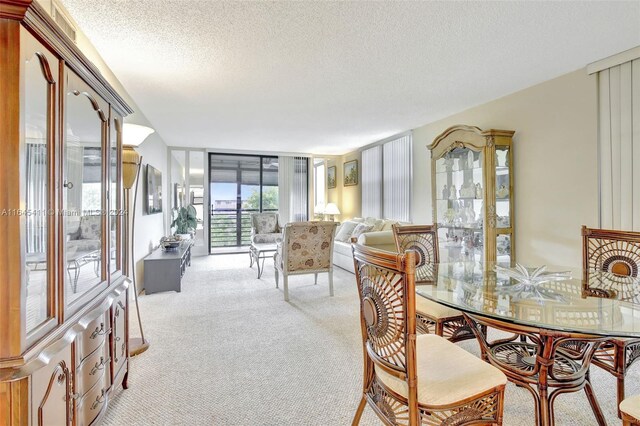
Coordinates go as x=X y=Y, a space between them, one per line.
x=553 y=321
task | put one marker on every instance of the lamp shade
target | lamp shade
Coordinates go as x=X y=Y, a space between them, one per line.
x=331 y=208
x=135 y=134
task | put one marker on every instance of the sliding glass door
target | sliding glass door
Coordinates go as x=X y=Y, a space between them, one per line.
x=239 y=185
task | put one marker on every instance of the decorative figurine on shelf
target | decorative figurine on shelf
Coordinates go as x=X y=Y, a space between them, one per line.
x=470 y=159
x=448 y=163
x=450 y=216
x=445 y=192
x=502 y=191
x=467 y=190
x=452 y=192
x=470 y=215
x=478 y=191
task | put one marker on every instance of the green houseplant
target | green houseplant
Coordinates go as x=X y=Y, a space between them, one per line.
x=185 y=220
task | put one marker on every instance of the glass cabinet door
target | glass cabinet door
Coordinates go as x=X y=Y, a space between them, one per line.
x=115 y=197
x=460 y=205
x=503 y=205
x=83 y=195
x=40 y=77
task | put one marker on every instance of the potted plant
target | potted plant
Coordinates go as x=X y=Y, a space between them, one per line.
x=185 y=221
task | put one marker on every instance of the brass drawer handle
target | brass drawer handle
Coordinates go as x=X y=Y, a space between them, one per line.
x=99 y=365
x=99 y=331
x=99 y=400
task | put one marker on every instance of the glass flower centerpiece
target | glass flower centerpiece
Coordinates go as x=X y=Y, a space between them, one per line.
x=529 y=282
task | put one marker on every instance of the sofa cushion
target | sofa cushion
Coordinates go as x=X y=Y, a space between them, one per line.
x=361 y=229
x=346 y=229
x=342 y=248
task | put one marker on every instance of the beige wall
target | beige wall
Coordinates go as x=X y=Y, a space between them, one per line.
x=555 y=149
x=347 y=198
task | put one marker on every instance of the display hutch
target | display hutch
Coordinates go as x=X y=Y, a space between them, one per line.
x=63 y=295
x=472 y=187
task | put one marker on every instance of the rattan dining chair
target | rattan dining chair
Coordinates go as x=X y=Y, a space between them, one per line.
x=630 y=409
x=618 y=253
x=412 y=379
x=432 y=317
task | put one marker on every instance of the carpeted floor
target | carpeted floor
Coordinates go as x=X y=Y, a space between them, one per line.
x=228 y=350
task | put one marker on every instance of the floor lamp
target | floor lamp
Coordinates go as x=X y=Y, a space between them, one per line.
x=131 y=162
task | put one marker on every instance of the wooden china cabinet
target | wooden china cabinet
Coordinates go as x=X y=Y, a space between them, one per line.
x=473 y=194
x=63 y=296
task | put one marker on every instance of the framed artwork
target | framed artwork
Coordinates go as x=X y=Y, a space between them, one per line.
x=153 y=190
x=351 y=173
x=331 y=177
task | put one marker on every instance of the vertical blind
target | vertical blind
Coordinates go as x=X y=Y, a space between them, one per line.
x=371 y=179
x=619 y=145
x=293 y=189
x=386 y=180
x=396 y=187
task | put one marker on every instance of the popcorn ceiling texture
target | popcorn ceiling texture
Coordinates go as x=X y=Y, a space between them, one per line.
x=327 y=77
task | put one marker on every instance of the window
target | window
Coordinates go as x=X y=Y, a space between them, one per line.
x=319 y=179
x=386 y=179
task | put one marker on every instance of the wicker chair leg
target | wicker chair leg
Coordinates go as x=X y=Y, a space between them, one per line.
x=440 y=328
x=597 y=411
x=315 y=278
x=359 y=411
x=620 y=391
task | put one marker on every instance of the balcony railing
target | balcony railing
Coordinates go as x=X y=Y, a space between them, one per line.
x=230 y=227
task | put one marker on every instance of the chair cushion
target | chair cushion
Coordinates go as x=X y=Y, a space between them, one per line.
x=446 y=373
x=266 y=238
x=266 y=223
x=631 y=406
x=434 y=309
x=346 y=229
x=90 y=227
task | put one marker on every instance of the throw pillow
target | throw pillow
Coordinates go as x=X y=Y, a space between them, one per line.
x=378 y=224
x=361 y=229
x=346 y=229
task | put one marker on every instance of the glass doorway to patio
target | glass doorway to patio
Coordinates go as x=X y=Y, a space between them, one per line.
x=239 y=185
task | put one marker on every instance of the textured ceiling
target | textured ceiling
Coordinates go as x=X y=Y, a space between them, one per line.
x=326 y=77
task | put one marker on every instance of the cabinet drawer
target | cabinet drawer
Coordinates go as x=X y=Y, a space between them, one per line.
x=92 y=369
x=92 y=403
x=119 y=350
x=93 y=336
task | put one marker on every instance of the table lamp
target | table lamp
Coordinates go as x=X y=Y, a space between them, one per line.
x=133 y=135
x=331 y=210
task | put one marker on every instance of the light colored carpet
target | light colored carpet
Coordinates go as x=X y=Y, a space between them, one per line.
x=228 y=350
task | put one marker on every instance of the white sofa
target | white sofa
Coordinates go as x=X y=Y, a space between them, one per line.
x=381 y=239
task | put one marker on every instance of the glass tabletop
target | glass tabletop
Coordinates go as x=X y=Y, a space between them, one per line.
x=591 y=302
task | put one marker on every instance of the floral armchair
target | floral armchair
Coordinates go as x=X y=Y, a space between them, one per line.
x=265 y=228
x=88 y=235
x=305 y=248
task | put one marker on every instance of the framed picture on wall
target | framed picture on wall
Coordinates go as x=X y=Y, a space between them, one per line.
x=153 y=190
x=331 y=177
x=351 y=173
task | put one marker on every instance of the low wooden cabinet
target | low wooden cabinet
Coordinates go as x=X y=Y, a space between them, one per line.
x=163 y=270
x=64 y=310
